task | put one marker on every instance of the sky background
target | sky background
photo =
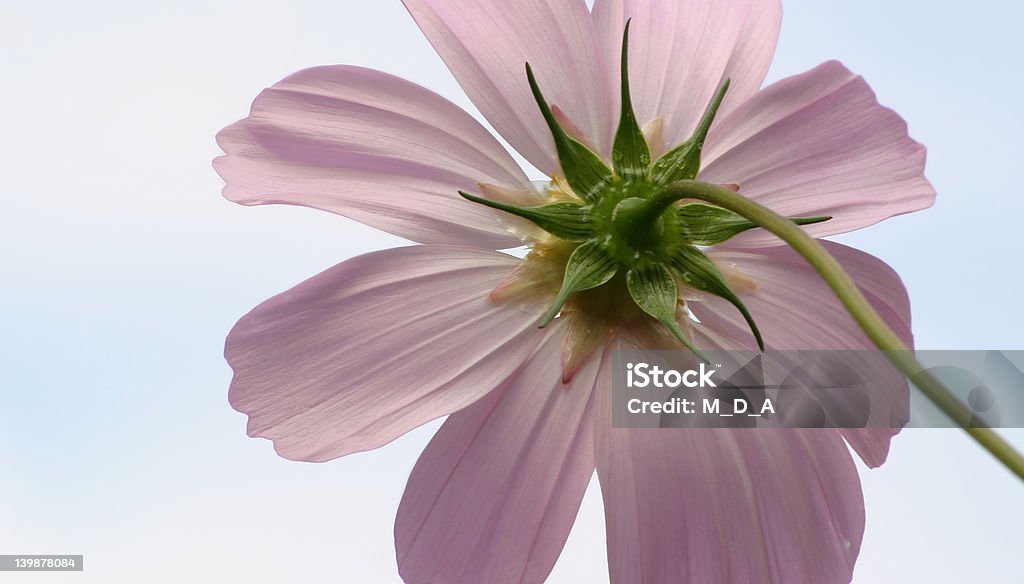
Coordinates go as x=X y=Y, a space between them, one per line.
x=122 y=269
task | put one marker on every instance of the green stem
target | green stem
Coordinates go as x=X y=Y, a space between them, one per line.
x=863 y=313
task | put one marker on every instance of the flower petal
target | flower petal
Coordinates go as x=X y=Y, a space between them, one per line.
x=682 y=50
x=494 y=495
x=819 y=144
x=487 y=43
x=374 y=148
x=726 y=506
x=796 y=310
x=374 y=347
x=721 y=506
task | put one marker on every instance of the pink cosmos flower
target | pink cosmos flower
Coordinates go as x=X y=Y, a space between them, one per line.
x=380 y=344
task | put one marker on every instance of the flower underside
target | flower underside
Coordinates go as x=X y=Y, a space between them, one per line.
x=623 y=243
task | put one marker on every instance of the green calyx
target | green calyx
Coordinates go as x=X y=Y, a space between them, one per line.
x=629 y=226
x=704 y=224
x=631 y=154
x=565 y=220
x=585 y=172
x=654 y=290
x=590 y=266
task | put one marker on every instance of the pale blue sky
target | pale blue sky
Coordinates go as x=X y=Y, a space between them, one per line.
x=123 y=269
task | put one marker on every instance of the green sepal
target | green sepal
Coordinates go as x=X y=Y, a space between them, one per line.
x=703 y=224
x=683 y=162
x=697 y=270
x=590 y=266
x=585 y=172
x=631 y=155
x=654 y=290
x=566 y=220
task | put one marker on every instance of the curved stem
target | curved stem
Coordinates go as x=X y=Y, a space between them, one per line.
x=859 y=308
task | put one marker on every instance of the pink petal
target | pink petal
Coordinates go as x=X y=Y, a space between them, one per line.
x=372 y=147
x=819 y=144
x=493 y=497
x=374 y=347
x=682 y=50
x=795 y=310
x=727 y=506
x=718 y=506
x=487 y=43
